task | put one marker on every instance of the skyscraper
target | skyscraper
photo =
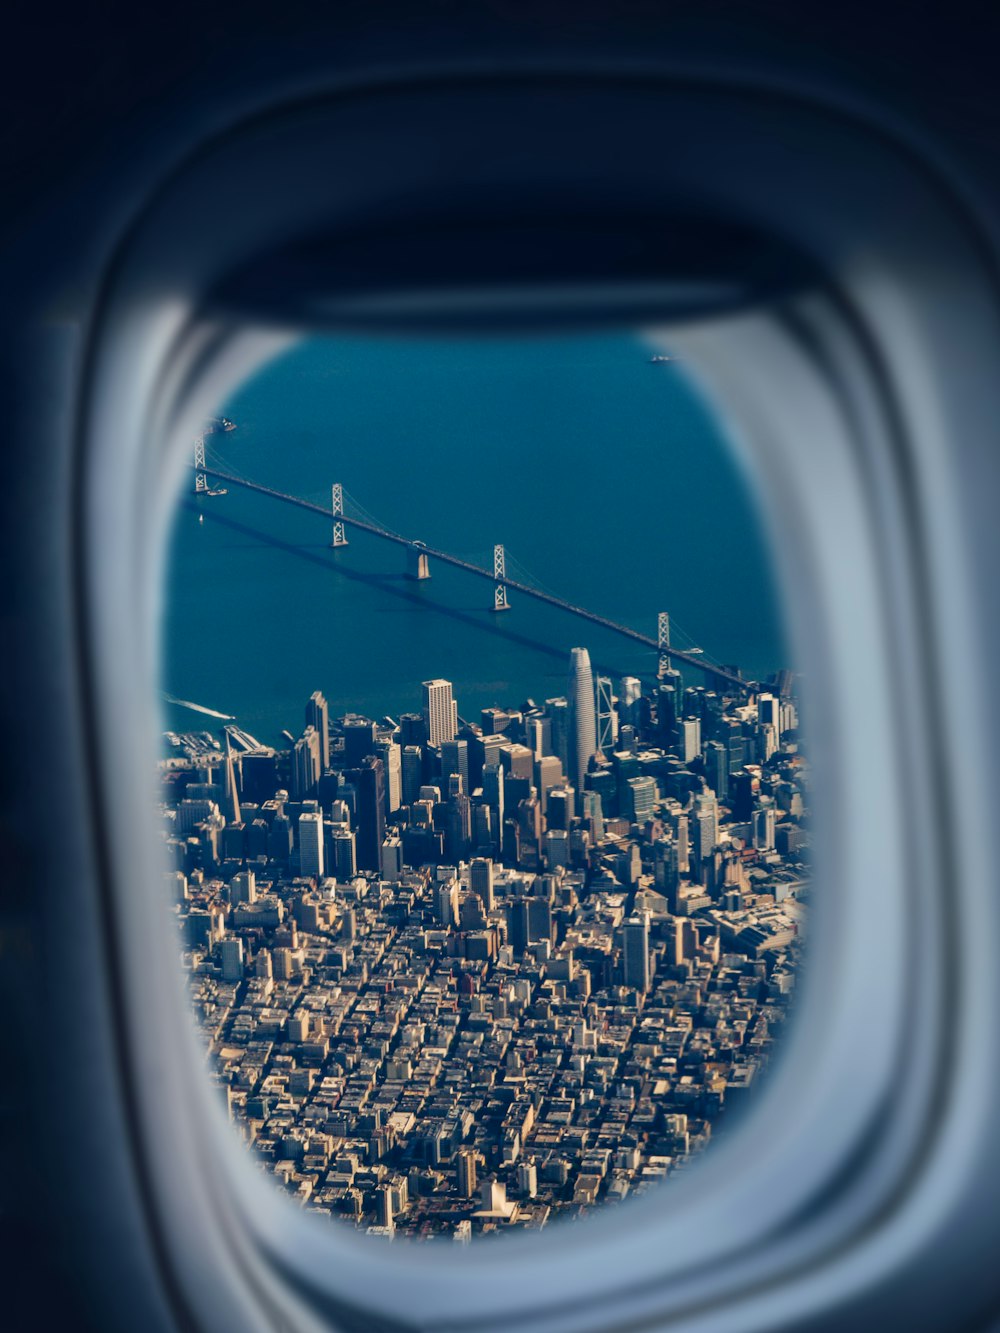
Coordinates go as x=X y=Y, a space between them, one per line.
x=440 y=711
x=455 y=759
x=311 y=844
x=607 y=718
x=635 y=951
x=413 y=772
x=583 y=724
x=704 y=825
x=481 y=880
x=317 y=715
x=717 y=768
x=370 y=782
x=390 y=754
x=306 y=764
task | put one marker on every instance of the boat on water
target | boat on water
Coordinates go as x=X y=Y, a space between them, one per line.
x=657 y=360
x=216 y=425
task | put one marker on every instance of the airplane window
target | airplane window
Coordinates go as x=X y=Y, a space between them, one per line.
x=483 y=793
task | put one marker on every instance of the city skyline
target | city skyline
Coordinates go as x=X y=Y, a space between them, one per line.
x=485 y=980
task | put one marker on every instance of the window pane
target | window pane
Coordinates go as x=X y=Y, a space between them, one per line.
x=482 y=785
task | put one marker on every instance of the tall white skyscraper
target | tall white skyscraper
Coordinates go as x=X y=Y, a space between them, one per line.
x=440 y=711
x=583 y=722
x=392 y=761
x=311 y=844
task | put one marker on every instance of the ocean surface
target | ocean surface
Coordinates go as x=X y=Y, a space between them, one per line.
x=606 y=477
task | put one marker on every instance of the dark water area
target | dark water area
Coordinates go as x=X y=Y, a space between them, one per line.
x=606 y=477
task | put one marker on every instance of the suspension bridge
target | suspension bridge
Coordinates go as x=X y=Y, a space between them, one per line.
x=419 y=557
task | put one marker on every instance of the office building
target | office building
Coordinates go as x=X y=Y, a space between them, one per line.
x=440 y=712
x=231 y=958
x=481 y=880
x=311 y=860
x=717 y=768
x=359 y=739
x=548 y=774
x=467 y=1173
x=343 y=851
x=606 y=716
x=558 y=711
x=763 y=828
x=318 y=717
x=583 y=723
x=369 y=780
x=455 y=759
x=412 y=768
x=306 y=764
x=690 y=739
x=641 y=798
x=242 y=888
x=704 y=826
x=392 y=761
x=391 y=868
x=635 y=952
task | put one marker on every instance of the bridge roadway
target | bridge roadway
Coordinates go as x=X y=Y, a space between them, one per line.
x=676 y=654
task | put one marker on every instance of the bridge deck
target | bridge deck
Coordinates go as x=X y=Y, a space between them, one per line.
x=676 y=654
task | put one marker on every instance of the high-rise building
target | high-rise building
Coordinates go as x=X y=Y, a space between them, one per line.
x=538 y=734
x=481 y=880
x=231 y=957
x=607 y=718
x=641 y=799
x=446 y=903
x=690 y=739
x=583 y=723
x=455 y=759
x=306 y=764
x=591 y=811
x=717 y=768
x=763 y=828
x=369 y=779
x=412 y=767
x=391 y=867
x=467 y=1173
x=517 y=760
x=635 y=951
x=517 y=925
x=231 y=796
x=359 y=739
x=311 y=844
x=412 y=729
x=343 y=846
x=558 y=711
x=527 y=1178
x=440 y=711
x=769 y=712
x=318 y=717
x=704 y=825
x=629 y=691
x=391 y=755
x=242 y=888
x=548 y=774
x=560 y=809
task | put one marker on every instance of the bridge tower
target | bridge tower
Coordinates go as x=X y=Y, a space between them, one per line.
x=417 y=566
x=663 y=644
x=339 y=531
x=500 y=602
x=200 y=475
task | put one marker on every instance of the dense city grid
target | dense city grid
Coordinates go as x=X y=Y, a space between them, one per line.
x=458 y=978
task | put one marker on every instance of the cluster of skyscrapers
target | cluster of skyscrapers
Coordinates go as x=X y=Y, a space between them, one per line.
x=461 y=976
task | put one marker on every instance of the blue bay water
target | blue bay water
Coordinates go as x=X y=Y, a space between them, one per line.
x=604 y=475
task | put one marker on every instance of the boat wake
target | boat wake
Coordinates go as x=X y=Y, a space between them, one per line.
x=199 y=708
